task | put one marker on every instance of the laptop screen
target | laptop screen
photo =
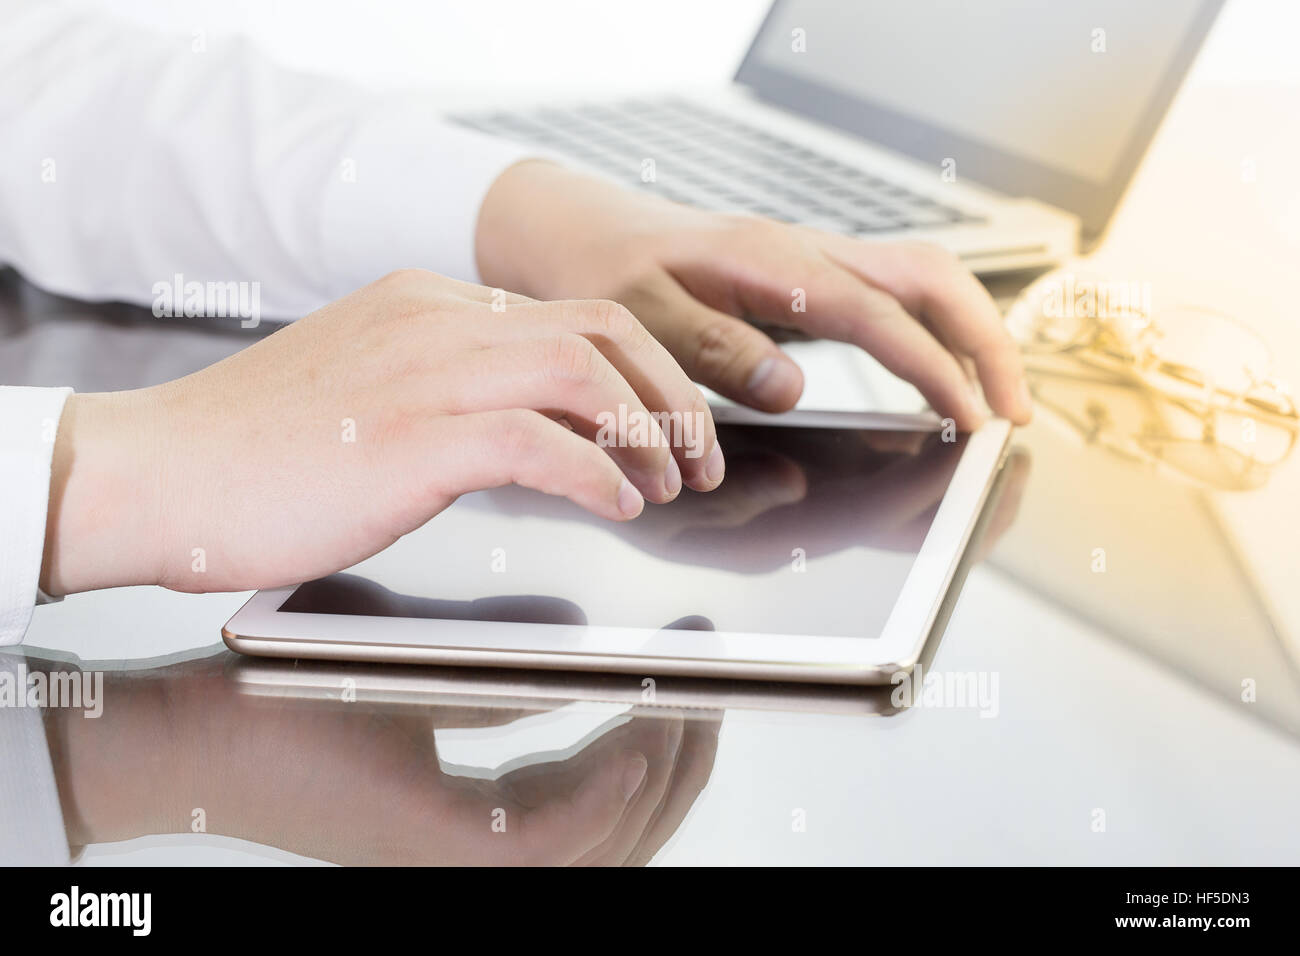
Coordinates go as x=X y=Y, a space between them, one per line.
x=1052 y=100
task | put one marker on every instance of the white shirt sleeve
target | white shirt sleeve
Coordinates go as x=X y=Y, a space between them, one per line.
x=129 y=157
x=131 y=160
x=29 y=420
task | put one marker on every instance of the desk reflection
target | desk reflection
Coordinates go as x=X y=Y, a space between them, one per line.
x=356 y=779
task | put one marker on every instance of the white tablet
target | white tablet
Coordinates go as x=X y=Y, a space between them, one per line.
x=824 y=556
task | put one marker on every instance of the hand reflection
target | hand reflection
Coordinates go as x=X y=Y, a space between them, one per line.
x=822 y=490
x=361 y=783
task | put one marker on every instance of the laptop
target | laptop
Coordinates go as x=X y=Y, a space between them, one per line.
x=1005 y=130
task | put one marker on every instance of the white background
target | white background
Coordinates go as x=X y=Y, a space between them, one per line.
x=598 y=45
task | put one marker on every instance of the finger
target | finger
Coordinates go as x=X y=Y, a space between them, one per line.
x=566 y=375
x=646 y=365
x=932 y=284
x=833 y=302
x=721 y=351
x=524 y=447
x=843 y=307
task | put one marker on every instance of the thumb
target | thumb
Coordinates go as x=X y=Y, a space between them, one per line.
x=718 y=350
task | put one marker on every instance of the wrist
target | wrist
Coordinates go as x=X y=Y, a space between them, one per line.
x=510 y=215
x=542 y=227
x=103 y=524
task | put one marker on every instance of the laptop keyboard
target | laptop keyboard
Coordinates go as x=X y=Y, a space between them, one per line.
x=706 y=158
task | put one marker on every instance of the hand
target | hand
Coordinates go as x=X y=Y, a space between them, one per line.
x=327 y=441
x=693 y=277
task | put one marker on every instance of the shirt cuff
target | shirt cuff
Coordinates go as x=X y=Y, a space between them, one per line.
x=29 y=421
x=407 y=194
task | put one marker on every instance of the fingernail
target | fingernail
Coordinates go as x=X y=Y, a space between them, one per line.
x=634 y=769
x=630 y=501
x=771 y=382
x=716 y=466
x=672 y=477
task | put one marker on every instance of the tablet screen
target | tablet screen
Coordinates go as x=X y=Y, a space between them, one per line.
x=813 y=531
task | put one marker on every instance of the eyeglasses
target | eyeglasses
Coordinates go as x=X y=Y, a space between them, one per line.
x=1210 y=447
x=1184 y=389
x=1184 y=352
